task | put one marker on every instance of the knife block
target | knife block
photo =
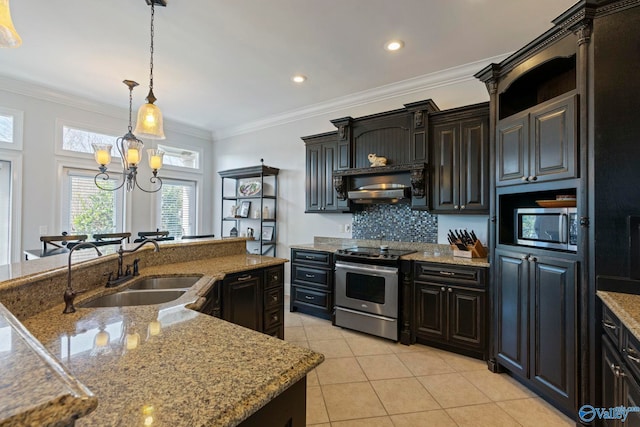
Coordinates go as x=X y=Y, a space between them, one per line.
x=475 y=251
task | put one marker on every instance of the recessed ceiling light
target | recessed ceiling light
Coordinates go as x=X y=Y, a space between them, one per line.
x=299 y=78
x=394 y=45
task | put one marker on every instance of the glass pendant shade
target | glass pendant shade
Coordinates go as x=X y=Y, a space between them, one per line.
x=155 y=158
x=102 y=153
x=8 y=35
x=149 y=124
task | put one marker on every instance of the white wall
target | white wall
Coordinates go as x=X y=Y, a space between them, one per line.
x=42 y=108
x=281 y=147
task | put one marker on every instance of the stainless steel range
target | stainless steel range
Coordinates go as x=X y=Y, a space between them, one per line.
x=367 y=290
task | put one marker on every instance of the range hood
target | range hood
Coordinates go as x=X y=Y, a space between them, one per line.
x=380 y=193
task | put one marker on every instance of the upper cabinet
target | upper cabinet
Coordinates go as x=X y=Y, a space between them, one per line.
x=460 y=140
x=538 y=144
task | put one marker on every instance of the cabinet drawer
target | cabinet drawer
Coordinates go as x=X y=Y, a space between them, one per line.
x=310 y=276
x=467 y=276
x=273 y=276
x=320 y=259
x=311 y=297
x=631 y=353
x=611 y=325
x=273 y=298
x=272 y=318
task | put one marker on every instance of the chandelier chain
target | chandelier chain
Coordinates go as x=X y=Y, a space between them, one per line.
x=130 y=105
x=153 y=12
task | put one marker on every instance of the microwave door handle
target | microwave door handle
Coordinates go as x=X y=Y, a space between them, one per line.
x=564 y=219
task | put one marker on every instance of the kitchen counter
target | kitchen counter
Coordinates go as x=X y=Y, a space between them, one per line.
x=164 y=364
x=626 y=307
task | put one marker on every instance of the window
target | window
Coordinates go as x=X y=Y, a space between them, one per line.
x=178 y=207
x=79 y=140
x=11 y=128
x=181 y=157
x=88 y=209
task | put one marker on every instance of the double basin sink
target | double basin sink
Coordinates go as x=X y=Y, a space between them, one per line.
x=147 y=291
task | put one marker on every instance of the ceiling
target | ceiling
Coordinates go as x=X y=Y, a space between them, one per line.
x=220 y=64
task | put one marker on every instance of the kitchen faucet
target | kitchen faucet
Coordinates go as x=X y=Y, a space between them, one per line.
x=69 y=293
x=127 y=274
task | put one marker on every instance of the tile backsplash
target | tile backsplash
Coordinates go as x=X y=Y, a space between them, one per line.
x=395 y=223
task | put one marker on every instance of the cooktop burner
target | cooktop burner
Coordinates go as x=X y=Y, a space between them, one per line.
x=380 y=252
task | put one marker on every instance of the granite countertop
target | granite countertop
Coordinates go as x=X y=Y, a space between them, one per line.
x=626 y=307
x=424 y=252
x=187 y=368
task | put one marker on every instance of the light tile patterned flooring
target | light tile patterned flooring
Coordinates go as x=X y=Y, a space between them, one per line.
x=372 y=382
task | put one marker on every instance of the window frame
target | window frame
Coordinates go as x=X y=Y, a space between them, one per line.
x=18 y=128
x=172 y=176
x=188 y=147
x=59 y=142
x=15 y=200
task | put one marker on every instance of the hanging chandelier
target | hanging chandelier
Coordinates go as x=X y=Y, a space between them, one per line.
x=130 y=149
x=8 y=35
x=149 y=124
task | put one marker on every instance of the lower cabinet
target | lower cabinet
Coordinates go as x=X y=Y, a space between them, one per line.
x=620 y=371
x=253 y=299
x=450 y=307
x=312 y=274
x=535 y=322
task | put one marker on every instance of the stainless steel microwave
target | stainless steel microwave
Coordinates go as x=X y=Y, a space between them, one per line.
x=550 y=228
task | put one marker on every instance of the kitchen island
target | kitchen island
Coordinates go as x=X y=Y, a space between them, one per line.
x=167 y=364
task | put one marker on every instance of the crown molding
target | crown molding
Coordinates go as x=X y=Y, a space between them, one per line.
x=447 y=77
x=44 y=93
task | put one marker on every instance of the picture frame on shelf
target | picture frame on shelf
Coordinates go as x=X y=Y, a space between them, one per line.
x=245 y=206
x=267 y=233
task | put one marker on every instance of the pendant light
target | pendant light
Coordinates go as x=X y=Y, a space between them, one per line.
x=149 y=124
x=8 y=35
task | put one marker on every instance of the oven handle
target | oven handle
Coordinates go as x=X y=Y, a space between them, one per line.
x=361 y=313
x=368 y=268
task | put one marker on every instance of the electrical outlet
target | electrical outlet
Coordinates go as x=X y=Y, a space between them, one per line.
x=347 y=228
x=43 y=230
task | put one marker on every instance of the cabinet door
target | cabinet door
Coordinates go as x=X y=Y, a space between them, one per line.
x=466 y=317
x=552 y=327
x=329 y=197
x=430 y=311
x=631 y=398
x=314 y=178
x=611 y=387
x=512 y=150
x=474 y=165
x=242 y=300
x=511 y=308
x=447 y=167
x=553 y=140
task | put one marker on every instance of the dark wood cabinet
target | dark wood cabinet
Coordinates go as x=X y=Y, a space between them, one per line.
x=253 y=299
x=323 y=155
x=538 y=144
x=535 y=301
x=450 y=307
x=460 y=140
x=312 y=277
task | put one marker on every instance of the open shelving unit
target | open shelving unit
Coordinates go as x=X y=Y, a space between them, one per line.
x=256 y=189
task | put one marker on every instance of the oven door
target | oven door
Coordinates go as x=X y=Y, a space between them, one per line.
x=369 y=288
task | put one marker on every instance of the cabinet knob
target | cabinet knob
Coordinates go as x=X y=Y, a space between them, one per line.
x=525 y=178
x=443 y=289
x=449 y=290
x=455 y=206
x=533 y=178
x=462 y=207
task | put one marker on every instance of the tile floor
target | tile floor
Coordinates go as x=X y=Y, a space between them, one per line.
x=368 y=381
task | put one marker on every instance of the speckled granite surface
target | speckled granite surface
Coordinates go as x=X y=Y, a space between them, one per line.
x=51 y=392
x=424 y=251
x=626 y=307
x=186 y=369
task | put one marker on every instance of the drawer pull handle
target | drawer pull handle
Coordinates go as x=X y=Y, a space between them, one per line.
x=632 y=358
x=309 y=257
x=310 y=276
x=244 y=278
x=447 y=273
x=609 y=325
x=308 y=297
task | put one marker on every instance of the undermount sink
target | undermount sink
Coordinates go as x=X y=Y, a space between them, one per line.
x=129 y=298
x=169 y=282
